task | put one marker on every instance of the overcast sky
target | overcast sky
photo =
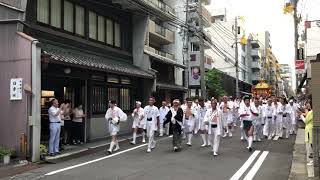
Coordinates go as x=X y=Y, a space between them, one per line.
x=262 y=15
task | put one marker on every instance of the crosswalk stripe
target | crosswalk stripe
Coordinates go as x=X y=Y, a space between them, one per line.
x=245 y=166
x=256 y=166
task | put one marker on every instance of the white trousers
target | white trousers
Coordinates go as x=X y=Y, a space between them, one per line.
x=214 y=139
x=287 y=125
x=150 y=135
x=278 y=126
x=54 y=140
x=258 y=131
x=269 y=126
x=164 y=130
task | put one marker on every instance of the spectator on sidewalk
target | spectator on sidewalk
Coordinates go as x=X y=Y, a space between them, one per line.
x=307 y=118
x=66 y=127
x=77 y=121
x=55 y=126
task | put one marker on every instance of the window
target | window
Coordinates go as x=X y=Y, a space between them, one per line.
x=55 y=13
x=244 y=75
x=193 y=57
x=125 y=99
x=117 y=35
x=101 y=29
x=98 y=95
x=243 y=60
x=113 y=79
x=125 y=80
x=113 y=94
x=109 y=32
x=68 y=16
x=43 y=11
x=195 y=47
x=92 y=25
x=80 y=20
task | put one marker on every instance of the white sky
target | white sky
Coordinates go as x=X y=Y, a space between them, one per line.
x=264 y=15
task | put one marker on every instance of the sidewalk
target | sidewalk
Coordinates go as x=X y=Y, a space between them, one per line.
x=299 y=168
x=73 y=151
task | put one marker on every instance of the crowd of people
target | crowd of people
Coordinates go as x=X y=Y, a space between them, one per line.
x=259 y=118
x=65 y=125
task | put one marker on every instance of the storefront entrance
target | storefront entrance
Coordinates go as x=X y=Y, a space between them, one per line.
x=61 y=88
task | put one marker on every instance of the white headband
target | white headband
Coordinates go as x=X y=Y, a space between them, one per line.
x=138 y=102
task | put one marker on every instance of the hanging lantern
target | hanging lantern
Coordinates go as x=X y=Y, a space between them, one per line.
x=288 y=8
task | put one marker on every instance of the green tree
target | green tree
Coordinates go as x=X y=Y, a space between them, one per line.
x=214 y=83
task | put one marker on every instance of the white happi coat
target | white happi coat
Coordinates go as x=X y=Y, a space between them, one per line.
x=293 y=113
x=163 y=112
x=258 y=120
x=151 y=112
x=138 y=121
x=210 y=114
x=201 y=114
x=226 y=116
x=189 y=125
x=112 y=113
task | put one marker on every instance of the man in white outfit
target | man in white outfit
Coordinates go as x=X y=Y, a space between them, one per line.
x=203 y=128
x=227 y=118
x=189 y=119
x=269 y=114
x=278 y=119
x=138 y=123
x=151 y=115
x=258 y=121
x=213 y=120
x=163 y=110
x=286 y=121
x=113 y=116
x=293 y=108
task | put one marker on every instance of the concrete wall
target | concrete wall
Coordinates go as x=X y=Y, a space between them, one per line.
x=15 y=62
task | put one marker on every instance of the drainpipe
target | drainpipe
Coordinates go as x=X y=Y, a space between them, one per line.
x=35 y=121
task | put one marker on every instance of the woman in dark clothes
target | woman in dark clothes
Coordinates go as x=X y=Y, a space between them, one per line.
x=174 y=117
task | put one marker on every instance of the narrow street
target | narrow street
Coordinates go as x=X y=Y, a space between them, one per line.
x=269 y=160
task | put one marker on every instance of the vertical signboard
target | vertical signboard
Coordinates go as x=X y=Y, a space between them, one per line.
x=16 y=89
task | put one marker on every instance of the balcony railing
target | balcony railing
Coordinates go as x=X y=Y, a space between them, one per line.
x=159 y=34
x=161 y=53
x=161 y=5
x=256 y=65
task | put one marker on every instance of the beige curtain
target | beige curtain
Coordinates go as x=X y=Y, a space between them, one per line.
x=117 y=35
x=109 y=31
x=56 y=13
x=80 y=20
x=92 y=25
x=68 y=16
x=43 y=11
x=101 y=27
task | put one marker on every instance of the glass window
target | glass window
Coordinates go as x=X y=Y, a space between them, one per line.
x=56 y=13
x=117 y=35
x=193 y=57
x=80 y=20
x=101 y=29
x=125 y=99
x=109 y=31
x=68 y=16
x=43 y=11
x=195 y=47
x=98 y=95
x=92 y=25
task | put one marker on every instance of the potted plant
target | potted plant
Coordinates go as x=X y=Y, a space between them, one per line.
x=6 y=153
x=43 y=152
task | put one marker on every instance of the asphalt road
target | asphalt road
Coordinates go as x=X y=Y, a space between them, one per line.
x=269 y=160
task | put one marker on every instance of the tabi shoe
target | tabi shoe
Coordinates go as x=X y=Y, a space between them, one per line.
x=225 y=135
x=204 y=145
x=175 y=149
x=143 y=141
x=215 y=154
x=230 y=134
x=189 y=144
x=132 y=142
x=149 y=150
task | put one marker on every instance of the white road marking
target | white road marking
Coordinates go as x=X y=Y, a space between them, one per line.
x=256 y=166
x=99 y=159
x=245 y=166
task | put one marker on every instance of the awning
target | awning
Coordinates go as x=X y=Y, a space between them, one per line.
x=171 y=87
x=86 y=60
x=165 y=60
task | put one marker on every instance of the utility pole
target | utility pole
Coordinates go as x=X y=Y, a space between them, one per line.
x=236 y=55
x=202 y=70
x=185 y=51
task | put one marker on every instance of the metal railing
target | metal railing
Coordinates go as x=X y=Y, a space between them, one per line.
x=160 y=30
x=161 y=5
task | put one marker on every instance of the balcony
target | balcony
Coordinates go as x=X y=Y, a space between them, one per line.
x=255 y=54
x=255 y=77
x=255 y=44
x=159 y=34
x=161 y=9
x=255 y=65
x=161 y=56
